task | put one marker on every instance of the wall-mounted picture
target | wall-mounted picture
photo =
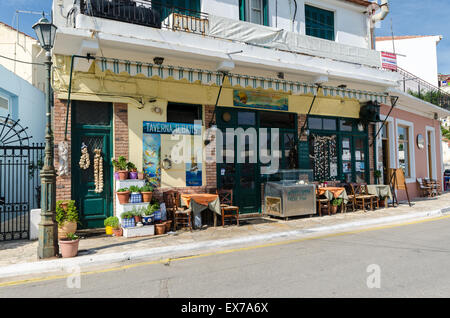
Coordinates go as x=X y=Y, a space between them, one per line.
x=257 y=99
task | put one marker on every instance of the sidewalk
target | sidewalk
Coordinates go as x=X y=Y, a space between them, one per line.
x=251 y=230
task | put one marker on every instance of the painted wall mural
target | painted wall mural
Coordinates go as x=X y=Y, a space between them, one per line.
x=159 y=139
x=262 y=100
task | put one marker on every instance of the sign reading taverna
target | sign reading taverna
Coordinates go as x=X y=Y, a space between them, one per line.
x=151 y=127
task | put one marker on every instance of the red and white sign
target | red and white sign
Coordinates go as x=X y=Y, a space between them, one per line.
x=389 y=61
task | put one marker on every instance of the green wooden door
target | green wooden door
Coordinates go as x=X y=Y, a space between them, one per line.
x=92 y=127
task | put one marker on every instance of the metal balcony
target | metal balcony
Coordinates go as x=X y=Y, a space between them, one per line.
x=147 y=13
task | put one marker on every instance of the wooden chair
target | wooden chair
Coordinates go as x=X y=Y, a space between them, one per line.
x=351 y=198
x=228 y=210
x=425 y=189
x=362 y=199
x=434 y=186
x=322 y=202
x=181 y=217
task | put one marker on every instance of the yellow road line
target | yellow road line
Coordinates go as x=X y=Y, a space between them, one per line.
x=168 y=260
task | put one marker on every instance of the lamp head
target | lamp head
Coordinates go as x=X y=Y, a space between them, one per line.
x=45 y=32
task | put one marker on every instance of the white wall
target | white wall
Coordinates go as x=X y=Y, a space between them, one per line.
x=28 y=103
x=420 y=56
x=19 y=46
x=351 y=24
x=446 y=154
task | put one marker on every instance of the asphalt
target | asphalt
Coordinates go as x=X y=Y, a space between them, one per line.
x=411 y=260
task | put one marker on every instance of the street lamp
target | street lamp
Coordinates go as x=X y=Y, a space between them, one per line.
x=48 y=230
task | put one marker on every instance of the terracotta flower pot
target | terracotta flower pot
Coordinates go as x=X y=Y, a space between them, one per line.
x=67 y=227
x=137 y=219
x=123 y=174
x=168 y=225
x=334 y=209
x=160 y=228
x=147 y=196
x=117 y=232
x=140 y=175
x=69 y=248
x=123 y=197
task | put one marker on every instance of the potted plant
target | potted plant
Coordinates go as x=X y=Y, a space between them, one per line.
x=160 y=228
x=67 y=218
x=121 y=166
x=147 y=193
x=132 y=170
x=127 y=219
x=335 y=203
x=377 y=174
x=136 y=196
x=156 y=211
x=123 y=194
x=141 y=175
x=111 y=224
x=383 y=202
x=147 y=215
x=69 y=245
x=137 y=215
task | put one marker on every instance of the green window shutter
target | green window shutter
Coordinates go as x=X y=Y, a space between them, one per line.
x=242 y=10
x=265 y=12
x=319 y=23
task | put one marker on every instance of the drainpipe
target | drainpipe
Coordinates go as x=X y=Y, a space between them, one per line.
x=376 y=17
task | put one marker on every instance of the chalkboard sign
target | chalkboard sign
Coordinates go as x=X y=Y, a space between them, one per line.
x=303 y=155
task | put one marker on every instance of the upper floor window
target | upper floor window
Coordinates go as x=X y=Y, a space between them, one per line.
x=319 y=22
x=254 y=11
x=184 y=4
x=4 y=106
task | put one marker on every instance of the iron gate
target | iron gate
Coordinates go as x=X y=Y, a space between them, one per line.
x=20 y=164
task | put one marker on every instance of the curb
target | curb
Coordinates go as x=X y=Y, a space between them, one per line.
x=67 y=264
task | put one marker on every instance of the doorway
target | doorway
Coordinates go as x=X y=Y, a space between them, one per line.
x=245 y=177
x=92 y=127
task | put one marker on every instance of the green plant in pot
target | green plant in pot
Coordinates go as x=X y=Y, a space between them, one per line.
x=136 y=196
x=137 y=214
x=123 y=194
x=69 y=245
x=377 y=175
x=383 y=201
x=132 y=170
x=335 y=203
x=127 y=219
x=147 y=193
x=112 y=226
x=66 y=217
x=120 y=165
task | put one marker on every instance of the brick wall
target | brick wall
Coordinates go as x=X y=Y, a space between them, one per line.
x=211 y=171
x=120 y=131
x=63 y=183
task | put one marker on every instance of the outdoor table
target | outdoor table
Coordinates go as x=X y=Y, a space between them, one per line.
x=199 y=202
x=333 y=193
x=380 y=190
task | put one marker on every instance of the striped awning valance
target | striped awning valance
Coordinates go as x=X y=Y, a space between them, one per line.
x=213 y=77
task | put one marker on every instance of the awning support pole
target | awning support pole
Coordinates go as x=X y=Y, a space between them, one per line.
x=384 y=122
x=309 y=111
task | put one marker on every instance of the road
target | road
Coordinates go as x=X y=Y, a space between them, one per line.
x=403 y=261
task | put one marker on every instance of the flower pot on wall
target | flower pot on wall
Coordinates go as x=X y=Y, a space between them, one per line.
x=128 y=223
x=123 y=174
x=68 y=227
x=140 y=175
x=116 y=175
x=123 y=197
x=69 y=248
x=135 y=197
x=133 y=175
x=147 y=196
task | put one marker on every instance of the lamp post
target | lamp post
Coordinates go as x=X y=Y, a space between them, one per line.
x=48 y=230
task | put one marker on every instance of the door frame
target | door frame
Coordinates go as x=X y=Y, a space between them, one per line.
x=76 y=131
x=432 y=155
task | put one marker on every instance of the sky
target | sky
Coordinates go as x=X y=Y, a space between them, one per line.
x=409 y=17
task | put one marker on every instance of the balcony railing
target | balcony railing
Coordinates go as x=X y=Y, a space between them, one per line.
x=148 y=13
x=416 y=86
